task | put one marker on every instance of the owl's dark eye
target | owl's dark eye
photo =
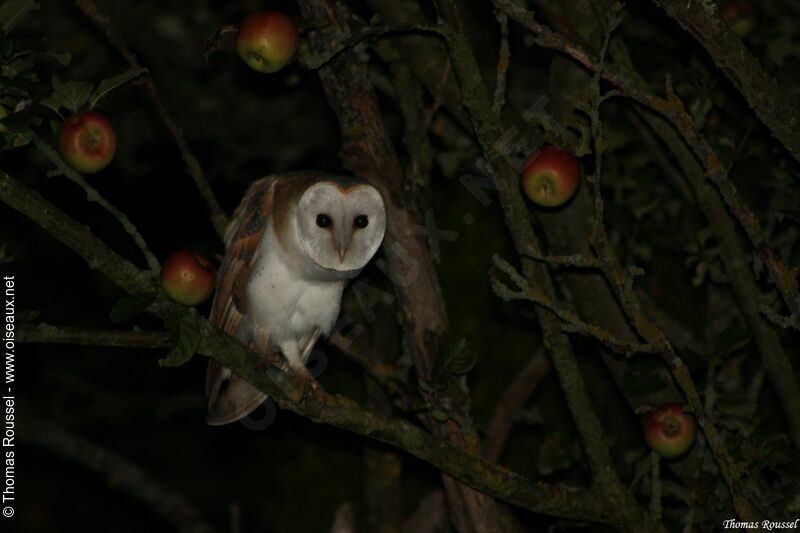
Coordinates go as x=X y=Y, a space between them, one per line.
x=323 y=220
x=361 y=221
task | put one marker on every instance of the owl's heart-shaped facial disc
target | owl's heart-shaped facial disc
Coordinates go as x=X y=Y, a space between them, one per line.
x=341 y=226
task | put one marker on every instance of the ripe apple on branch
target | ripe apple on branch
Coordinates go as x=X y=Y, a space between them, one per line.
x=550 y=176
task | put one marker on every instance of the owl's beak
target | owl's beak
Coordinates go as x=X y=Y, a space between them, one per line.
x=342 y=240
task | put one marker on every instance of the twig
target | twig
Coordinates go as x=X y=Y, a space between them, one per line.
x=710 y=398
x=572 y=323
x=735 y=258
x=503 y=61
x=672 y=108
x=367 y=150
x=76 y=236
x=655 y=487
x=580 y=261
x=424 y=56
x=382 y=372
x=218 y=217
x=488 y=129
x=316 y=60
x=49 y=334
x=513 y=399
x=93 y=195
x=623 y=285
x=120 y=473
x=763 y=93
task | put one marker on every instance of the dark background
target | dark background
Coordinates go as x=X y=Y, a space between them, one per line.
x=243 y=125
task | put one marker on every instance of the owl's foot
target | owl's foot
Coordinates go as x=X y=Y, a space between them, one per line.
x=311 y=386
x=273 y=357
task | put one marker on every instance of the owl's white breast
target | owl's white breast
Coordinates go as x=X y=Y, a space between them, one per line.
x=286 y=301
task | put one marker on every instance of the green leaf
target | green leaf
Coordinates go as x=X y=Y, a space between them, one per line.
x=106 y=86
x=427 y=386
x=73 y=94
x=440 y=416
x=55 y=102
x=455 y=357
x=128 y=307
x=185 y=339
x=12 y=12
x=62 y=58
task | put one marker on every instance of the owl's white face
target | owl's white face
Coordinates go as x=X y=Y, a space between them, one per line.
x=341 y=228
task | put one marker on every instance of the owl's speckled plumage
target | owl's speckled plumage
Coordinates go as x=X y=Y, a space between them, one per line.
x=280 y=284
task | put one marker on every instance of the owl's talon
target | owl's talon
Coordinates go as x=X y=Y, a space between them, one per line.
x=312 y=386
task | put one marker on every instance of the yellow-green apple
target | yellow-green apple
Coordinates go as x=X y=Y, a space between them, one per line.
x=550 y=176
x=267 y=41
x=87 y=142
x=188 y=277
x=669 y=431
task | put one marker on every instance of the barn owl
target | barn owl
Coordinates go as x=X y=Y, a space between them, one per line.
x=293 y=243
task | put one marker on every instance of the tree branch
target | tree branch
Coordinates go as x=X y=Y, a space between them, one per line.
x=734 y=255
x=488 y=130
x=367 y=150
x=764 y=94
x=514 y=399
x=672 y=108
x=572 y=323
x=93 y=195
x=218 y=217
x=49 y=334
x=289 y=390
x=76 y=236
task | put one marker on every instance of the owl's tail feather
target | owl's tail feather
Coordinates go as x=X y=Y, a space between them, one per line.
x=230 y=398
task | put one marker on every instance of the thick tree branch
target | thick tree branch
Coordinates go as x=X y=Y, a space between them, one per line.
x=488 y=130
x=745 y=287
x=76 y=236
x=289 y=390
x=672 y=108
x=367 y=150
x=764 y=94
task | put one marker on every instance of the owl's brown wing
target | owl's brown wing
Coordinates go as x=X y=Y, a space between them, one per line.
x=229 y=396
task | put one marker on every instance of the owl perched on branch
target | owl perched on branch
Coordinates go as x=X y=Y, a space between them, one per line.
x=293 y=243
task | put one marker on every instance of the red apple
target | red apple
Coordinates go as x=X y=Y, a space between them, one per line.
x=267 y=41
x=550 y=176
x=87 y=142
x=188 y=277
x=669 y=431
